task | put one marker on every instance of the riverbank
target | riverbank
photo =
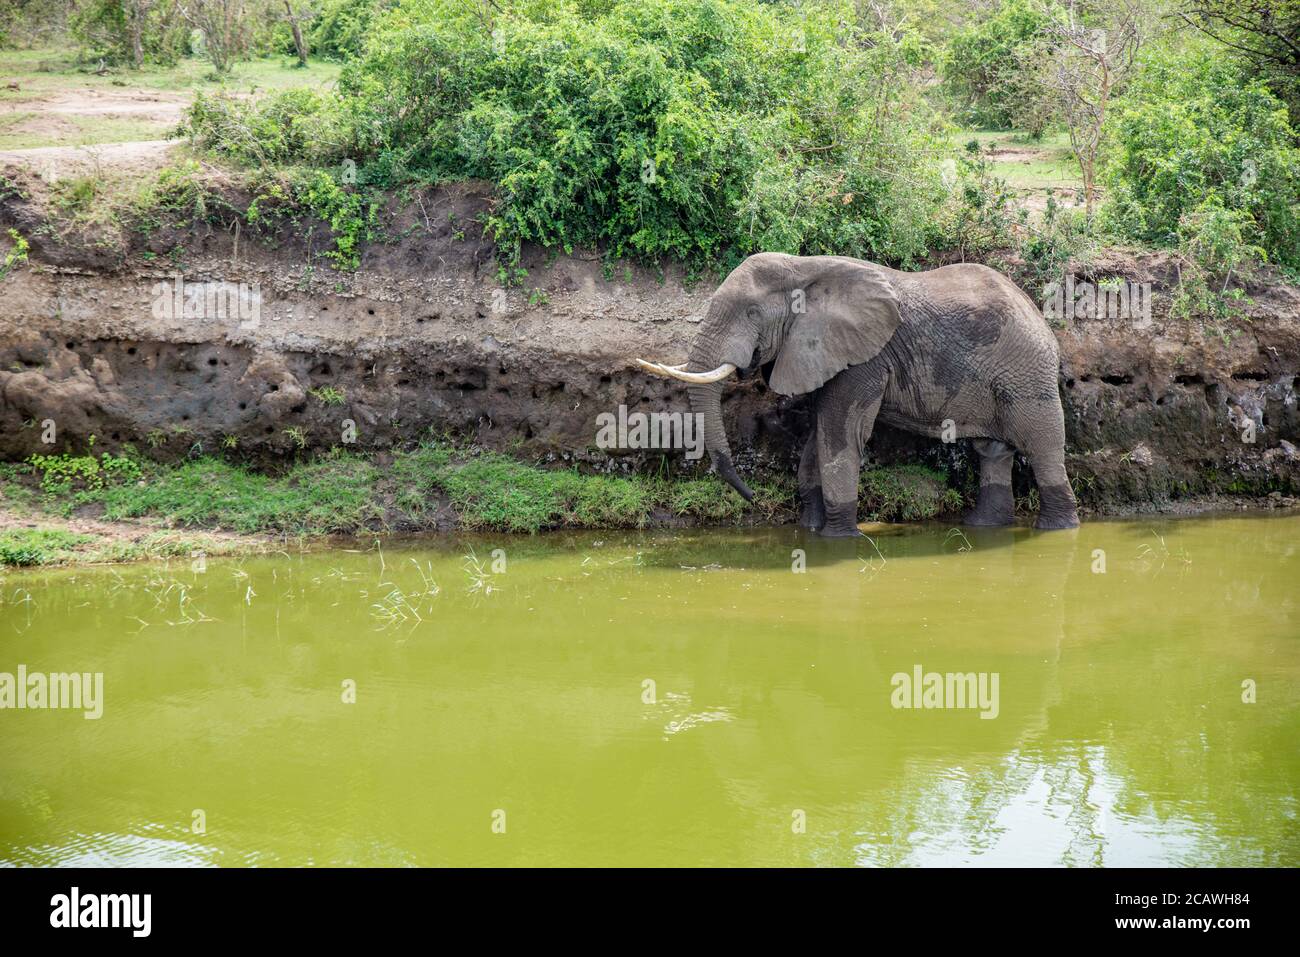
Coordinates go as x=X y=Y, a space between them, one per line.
x=296 y=409
x=109 y=509
x=62 y=509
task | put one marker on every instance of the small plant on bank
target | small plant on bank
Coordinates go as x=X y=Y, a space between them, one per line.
x=328 y=395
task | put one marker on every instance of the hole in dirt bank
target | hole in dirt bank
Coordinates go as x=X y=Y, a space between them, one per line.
x=606 y=379
x=243 y=406
x=1117 y=379
x=1250 y=376
x=1069 y=383
x=130 y=350
x=212 y=362
x=1189 y=380
x=70 y=345
x=370 y=312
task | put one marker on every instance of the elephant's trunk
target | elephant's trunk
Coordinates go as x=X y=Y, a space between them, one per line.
x=706 y=402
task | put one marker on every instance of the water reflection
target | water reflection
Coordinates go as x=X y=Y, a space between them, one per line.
x=668 y=698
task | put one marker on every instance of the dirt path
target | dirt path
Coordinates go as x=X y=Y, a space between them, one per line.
x=52 y=163
x=85 y=129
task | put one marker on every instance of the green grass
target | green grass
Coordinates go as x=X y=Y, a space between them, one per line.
x=905 y=493
x=33 y=547
x=1050 y=165
x=53 y=69
x=330 y=495
x=343 y=492
x=36 y=546
x=45 y=73
x=86 y=131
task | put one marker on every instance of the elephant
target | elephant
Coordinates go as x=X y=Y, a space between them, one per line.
x=954 y=352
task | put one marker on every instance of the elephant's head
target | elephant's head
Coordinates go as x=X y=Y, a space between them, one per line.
x=812 y=316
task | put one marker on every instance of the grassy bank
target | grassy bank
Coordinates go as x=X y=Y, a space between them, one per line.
x=48 y=542
x=434 y=486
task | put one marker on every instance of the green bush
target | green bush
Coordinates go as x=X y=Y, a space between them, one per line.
x=315 y=194
x=990 y=68
x=1199 y=148
x=700 y=129
x=340 y=31
x=299 y=126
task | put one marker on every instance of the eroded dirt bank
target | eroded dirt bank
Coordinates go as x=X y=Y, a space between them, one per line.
x=423 y=336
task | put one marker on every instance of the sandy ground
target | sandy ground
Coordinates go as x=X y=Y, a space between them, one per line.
x=52 y=163
x=53 y=116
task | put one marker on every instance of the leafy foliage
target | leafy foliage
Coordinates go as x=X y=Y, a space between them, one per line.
x=1197 y=146
x=700 y=129
x=990 y=66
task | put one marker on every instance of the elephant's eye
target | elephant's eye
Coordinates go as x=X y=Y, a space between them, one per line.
x=754 y=313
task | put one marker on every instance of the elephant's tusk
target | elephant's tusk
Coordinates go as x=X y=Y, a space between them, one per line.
x=678 y=372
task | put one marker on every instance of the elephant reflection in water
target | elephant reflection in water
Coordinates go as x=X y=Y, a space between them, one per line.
x=893 y=782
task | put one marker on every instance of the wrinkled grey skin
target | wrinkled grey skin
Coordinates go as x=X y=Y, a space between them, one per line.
x=960 y=344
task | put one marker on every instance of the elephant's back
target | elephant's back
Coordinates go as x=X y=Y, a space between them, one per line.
x=973 y=308
x=976 y=342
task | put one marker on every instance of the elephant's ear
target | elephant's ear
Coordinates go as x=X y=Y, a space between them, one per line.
x=850 y=312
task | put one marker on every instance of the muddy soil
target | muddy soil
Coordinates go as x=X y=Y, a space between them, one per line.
x=423 y=338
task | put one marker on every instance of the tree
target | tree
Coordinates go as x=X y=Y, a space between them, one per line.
x=1264 y=33
x=991 y=66
x=296 y=20
x=223 y=24
x=137 y=13
x=1092 y=57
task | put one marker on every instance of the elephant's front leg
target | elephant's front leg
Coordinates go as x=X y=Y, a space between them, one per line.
x=812 y=507
x=846 y=414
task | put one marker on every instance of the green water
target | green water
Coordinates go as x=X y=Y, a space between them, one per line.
x=519 y=700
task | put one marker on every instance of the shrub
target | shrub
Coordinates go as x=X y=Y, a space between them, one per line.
x=341 y=30
x=304 y=126
x=699 y=129
x=990 y=67
x=1198 y=146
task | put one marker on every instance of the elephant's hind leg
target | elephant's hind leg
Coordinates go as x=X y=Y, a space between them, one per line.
x=995 y=505
x=812 y=510
x=1038 y=430
x=1056 y=507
